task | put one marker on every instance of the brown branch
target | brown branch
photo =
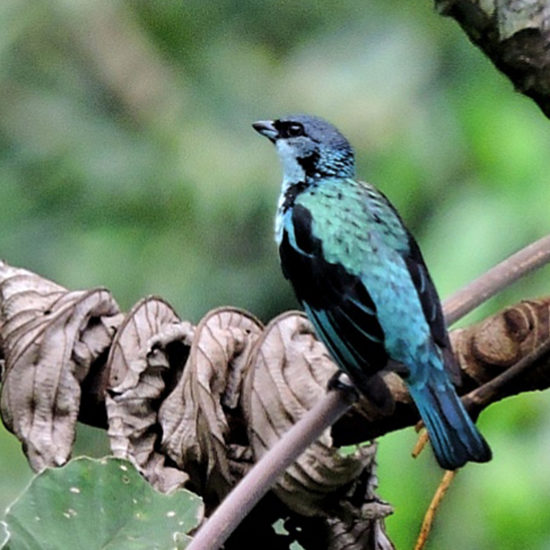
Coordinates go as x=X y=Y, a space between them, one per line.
x=505 y=273
x=514 y=35
x=258 y=481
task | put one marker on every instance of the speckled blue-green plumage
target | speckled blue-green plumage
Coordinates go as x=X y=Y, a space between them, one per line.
x=361 y=231
x=350 y=217
x=361 y=279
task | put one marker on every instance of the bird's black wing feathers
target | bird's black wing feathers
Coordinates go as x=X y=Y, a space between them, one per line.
x=337 y=302
x=431 y=306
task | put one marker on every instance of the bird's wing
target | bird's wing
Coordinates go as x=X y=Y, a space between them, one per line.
x=403 y=243
x=431 y=306
x=339 y=304
x=336 y=301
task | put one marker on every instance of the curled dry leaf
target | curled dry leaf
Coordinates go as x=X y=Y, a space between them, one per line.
x=50 y=339
x=490 y=348
x=197 y=417
x=290 y=370
x=145 y=361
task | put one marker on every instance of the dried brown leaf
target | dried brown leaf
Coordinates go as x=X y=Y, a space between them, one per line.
x=290 y=372
x=146 y=358
x=196 y=416
x=240 y=390
x=50 y=338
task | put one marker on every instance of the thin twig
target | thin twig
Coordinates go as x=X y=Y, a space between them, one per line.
x=429 y=517
x=420 y=444
x=505 y=273
x=263 y=475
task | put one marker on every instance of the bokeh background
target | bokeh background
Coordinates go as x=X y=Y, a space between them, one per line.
x=127 y=160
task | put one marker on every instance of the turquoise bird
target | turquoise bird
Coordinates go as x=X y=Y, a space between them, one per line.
x=361 y=278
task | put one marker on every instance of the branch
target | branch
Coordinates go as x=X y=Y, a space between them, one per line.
x=497 y=279
x=429 y=517
x=260 y=479
x=515 y=35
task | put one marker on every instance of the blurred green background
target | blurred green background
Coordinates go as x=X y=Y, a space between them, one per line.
x=127 y=160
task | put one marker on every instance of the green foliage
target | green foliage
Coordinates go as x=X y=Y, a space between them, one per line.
x=144 y=176
x=99 y=504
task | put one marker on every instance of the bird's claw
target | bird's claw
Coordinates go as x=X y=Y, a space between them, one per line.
x=340 y=381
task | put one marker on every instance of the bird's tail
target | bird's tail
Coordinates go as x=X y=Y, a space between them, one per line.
x=453 y=435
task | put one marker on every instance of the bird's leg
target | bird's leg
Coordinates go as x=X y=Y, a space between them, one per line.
x=372 y=388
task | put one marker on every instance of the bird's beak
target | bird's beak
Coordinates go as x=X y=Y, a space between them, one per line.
x=267 y=129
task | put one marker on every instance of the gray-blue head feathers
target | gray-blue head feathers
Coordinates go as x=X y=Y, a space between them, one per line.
x=309 y=147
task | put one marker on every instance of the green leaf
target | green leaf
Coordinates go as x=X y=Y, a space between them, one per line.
x=103 y=504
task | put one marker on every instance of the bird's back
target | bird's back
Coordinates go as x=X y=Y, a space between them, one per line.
x=354 y=221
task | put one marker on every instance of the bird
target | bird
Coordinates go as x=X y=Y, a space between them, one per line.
x=360 y=276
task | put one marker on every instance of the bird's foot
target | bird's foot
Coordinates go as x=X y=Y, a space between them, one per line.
x=341 y=381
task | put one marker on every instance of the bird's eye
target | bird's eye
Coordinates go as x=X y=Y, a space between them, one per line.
x=294 y=129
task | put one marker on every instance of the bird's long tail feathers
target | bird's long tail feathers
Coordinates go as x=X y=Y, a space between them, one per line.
x=453 y=435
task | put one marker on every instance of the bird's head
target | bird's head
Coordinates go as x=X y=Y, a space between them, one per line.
x=309 y=147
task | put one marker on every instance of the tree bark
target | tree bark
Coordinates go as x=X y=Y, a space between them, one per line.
x=515 y=36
